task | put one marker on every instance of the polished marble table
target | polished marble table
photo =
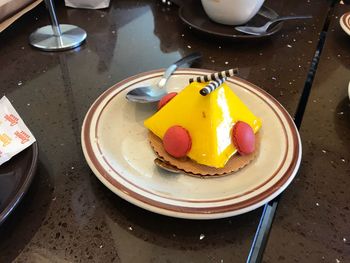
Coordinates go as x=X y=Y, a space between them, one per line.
x=68 y=215
x=312 y=220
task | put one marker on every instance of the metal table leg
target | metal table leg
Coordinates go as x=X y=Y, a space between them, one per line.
x=56 y=37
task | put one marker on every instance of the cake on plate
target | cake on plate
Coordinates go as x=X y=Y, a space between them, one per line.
x=204 y=134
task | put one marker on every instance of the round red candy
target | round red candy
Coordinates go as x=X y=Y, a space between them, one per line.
x=164 y=100
x=177 y=141
x=243 y=137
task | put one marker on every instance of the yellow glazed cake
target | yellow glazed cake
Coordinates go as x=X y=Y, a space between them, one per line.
x=209 y=121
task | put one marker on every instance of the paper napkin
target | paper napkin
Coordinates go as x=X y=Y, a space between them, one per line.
x=14 y=134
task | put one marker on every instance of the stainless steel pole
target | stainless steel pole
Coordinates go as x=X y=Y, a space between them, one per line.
x=54 y=23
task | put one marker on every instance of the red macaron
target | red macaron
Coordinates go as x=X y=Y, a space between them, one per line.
x=177 y=141
x=243 y=138
x=164 y=100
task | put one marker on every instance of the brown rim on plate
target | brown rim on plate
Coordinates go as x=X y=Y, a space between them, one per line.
x=291 y=170
x=27 y=161
x=345 y=21
x=193 y=15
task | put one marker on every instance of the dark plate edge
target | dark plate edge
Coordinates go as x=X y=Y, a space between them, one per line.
x=24 y=187
x=240 y=36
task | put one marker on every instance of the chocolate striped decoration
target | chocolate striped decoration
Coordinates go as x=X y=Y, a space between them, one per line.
x=214 y=84
x=215 y=76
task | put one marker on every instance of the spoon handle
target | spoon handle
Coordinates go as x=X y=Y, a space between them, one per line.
x=283 y=18
x=187 y=59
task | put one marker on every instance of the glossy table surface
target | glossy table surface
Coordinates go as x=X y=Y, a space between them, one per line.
x=313 y=218
x=69 y=216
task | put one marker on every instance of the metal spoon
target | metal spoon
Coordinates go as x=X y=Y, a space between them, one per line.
x=166 y=166
x=156 y=92
x=262 y=30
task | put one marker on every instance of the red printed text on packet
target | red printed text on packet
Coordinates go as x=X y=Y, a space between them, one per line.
x=12 y=119
x=23 y=136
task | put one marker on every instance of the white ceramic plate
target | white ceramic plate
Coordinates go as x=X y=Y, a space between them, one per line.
x=345 y=22
x=116 y=148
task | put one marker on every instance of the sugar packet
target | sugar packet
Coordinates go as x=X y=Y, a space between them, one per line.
x=14 y=134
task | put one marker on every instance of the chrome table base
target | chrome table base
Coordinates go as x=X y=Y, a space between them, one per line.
x=56 y=37
x=45 y=38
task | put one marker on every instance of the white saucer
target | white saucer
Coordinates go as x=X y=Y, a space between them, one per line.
x=115 y=145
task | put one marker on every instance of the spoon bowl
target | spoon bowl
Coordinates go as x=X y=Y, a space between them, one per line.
x=166 y=166
x=146 y=94
x=154 y=93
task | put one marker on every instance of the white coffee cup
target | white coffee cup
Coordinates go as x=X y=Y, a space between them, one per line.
x=231 y=12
